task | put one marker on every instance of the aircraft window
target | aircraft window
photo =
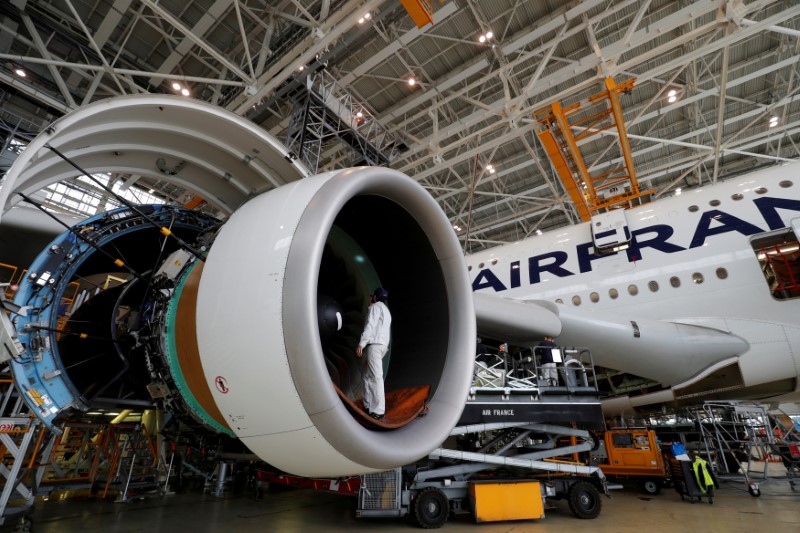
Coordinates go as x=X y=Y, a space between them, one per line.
x=722 y=273
x=559 y=301
x=613 y=293
x=760 y=190
x=778 y=255
x=675 y=281
x=469 y=268
x=594 y=297
x=693 y=208
x=713 y=203
x=576 y=300
x=480 y=266
x=653 y=286
x=494 y=261
x=633 y=290
x=737 y=196
x=785 y=184
x=698 y=278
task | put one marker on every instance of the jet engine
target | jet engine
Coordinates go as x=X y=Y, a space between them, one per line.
x=249 y=328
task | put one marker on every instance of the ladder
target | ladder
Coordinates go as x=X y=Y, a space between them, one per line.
x=135 y=462
x=736 y=432
x=22 y=437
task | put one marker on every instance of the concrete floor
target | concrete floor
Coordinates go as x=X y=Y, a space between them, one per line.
x=296 y=510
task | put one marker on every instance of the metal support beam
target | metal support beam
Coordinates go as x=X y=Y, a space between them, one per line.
x=121 y=71
x=339 y=22
x=93 y=44
x=191 y=36
x=45 y=54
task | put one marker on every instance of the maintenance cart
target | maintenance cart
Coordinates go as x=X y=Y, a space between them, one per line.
x=514 y=452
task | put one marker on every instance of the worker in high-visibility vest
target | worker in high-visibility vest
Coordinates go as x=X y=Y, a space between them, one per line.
x=702 y=473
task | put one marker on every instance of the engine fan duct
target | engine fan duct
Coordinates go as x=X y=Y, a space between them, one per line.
x=257 y=318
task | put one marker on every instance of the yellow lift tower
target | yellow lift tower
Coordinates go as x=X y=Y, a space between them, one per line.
x=563 y=128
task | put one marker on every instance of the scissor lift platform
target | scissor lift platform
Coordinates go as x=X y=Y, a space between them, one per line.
x=515 y=430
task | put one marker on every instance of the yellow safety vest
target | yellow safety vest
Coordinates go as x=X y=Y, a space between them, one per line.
x=701 y=474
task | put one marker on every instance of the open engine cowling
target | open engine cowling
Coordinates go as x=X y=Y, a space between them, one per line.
x=256 y=340
x=259 y=339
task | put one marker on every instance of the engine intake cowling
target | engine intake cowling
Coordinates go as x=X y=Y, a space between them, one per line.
x=333 y=238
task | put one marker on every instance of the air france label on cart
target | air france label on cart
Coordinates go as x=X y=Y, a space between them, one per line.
x=498 y=412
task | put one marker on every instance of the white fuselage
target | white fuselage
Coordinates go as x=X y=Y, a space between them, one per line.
x=690 y=261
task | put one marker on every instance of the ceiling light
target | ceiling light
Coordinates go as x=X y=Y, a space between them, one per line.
x=176 y=86
x=150 y=191
x=489 y=34
x=361 y=20
x=185 y=91
x=359 y=114
x=301 y=68
x=482 y=38
x=538 y=232
x=672 y=96
x=412 y=81
x=367 y=16
x=21 y=73
x=773 y=121
x=677 y=191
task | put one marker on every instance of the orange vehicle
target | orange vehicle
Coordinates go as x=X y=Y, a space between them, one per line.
x=632 y=454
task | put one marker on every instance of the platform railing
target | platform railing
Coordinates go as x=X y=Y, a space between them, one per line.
x=520 y=371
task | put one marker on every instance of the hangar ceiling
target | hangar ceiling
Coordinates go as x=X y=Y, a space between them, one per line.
x=733 y=66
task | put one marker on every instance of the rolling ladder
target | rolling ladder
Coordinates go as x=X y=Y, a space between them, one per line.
x=737 y=432
x=22 y=441
x=134 y=465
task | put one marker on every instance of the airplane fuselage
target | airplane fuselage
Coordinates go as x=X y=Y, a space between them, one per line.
x=691 y=259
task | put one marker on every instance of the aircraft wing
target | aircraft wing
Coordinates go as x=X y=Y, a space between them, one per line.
x=515 y=321
x=661 y=350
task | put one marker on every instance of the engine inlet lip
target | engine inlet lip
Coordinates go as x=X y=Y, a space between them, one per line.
x=379 y=450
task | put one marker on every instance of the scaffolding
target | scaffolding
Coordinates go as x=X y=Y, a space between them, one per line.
x=737 y=437
x=324 y=114
x=102 y=458
x=781 y=266
x=22 y=441
x=564 y=129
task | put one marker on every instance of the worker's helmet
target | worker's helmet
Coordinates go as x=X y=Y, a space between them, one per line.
x=381 y=294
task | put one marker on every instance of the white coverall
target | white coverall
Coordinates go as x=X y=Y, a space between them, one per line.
x=375 y=341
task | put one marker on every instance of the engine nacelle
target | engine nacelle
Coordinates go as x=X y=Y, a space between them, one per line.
x=259 y=340
x=337 y=235
x=241 y=346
